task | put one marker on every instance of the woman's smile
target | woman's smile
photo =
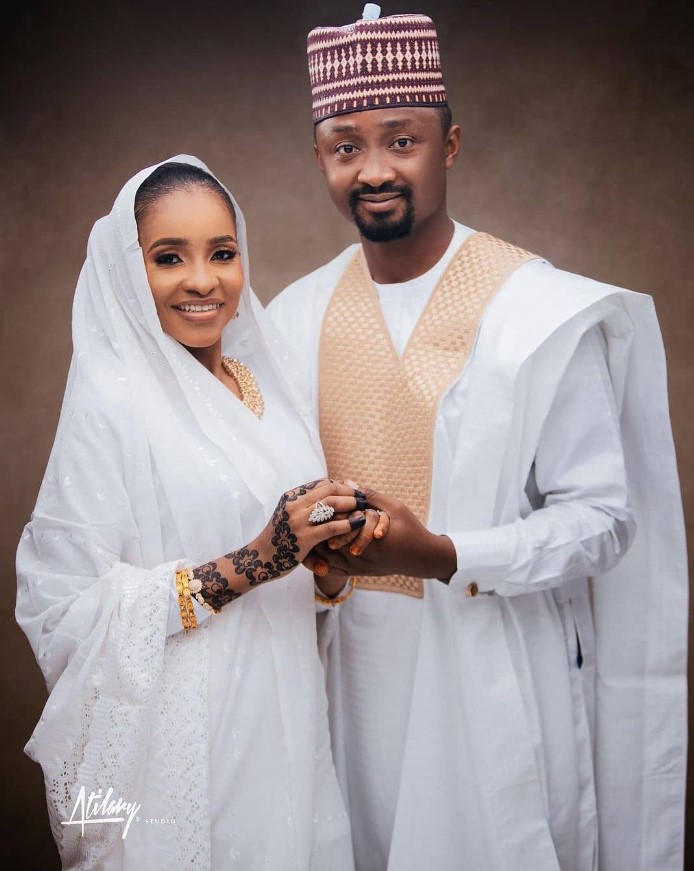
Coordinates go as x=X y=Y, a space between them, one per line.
x=199 y=312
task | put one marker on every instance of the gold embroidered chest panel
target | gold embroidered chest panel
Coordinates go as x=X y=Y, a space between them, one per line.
x=378 y=410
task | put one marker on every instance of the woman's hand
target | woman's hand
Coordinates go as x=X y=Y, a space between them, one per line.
x=284 y=543
x=290 y=535
x=357 y=540
x=375 y=527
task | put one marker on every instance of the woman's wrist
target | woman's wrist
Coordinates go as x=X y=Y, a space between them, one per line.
x=217 y=582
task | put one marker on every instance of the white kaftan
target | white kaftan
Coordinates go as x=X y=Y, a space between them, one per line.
x=217 y=736
x=465 y=729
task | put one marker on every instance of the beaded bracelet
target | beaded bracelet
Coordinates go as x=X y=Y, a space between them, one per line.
x=195 y=585
x=185 y=604
x=326 y=600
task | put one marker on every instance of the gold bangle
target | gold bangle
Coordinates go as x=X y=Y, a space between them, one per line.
x=181 y=604
x=185 y=603
x=326 y=600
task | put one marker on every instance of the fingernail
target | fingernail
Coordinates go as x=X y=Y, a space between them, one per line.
x=356 y=522
x=355 y=550
x=352 y=484
x=378 y=534
x=361 y=503
x=332 y=545
x=322 y=569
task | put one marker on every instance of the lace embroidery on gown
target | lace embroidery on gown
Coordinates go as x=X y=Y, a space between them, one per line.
x=126 y=721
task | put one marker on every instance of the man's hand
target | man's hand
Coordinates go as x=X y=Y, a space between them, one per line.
x=408 y=548
x=355 y=542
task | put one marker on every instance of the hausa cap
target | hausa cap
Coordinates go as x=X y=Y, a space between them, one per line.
x=375 y=63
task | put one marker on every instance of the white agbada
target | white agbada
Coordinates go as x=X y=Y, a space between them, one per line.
x=219 y=734
x=480 y=733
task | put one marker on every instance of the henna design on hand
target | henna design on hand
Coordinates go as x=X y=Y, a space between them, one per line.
x=246 y=561
x=283 y=539
x=292 y=496
x=215 y=587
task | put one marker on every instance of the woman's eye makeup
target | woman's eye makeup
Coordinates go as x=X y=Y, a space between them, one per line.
x=225 y=254
x=167 y=258
x=170 y=258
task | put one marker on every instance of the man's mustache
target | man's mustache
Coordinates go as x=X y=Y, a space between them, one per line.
x=385 y=188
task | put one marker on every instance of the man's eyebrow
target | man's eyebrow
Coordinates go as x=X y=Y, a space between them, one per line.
x=343 y=128
x=391 y=123
x=388 y=124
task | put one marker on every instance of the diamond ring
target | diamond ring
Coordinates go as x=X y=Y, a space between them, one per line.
x=321 y=513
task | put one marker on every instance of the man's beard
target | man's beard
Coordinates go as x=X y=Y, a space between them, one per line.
x=381 y=227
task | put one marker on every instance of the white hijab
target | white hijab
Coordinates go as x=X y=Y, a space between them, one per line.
x=140 y=417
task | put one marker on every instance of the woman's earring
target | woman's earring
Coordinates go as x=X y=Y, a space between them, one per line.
x=237 y=313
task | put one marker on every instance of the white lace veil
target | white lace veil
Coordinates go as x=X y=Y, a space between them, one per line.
x=143 y=424
x=116 y=332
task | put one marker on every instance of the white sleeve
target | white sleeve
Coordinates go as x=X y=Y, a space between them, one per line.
x=582 y=524
x=80 y=565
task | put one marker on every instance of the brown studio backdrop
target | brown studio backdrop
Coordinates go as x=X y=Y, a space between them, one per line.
x=577 y=145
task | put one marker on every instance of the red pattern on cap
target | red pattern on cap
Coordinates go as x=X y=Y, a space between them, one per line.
x=375 y=64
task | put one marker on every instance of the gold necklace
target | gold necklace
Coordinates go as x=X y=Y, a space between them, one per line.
x=251 y=396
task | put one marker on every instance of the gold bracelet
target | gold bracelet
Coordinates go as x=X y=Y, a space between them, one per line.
x=326 y=600
x=185 y=603
x=181 y=603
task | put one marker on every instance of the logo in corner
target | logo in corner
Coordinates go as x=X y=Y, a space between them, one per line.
x=98 y=808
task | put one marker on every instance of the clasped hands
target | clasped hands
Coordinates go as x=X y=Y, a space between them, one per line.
x=392 y=541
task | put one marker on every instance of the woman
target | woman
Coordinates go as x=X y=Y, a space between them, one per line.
x=182 y=703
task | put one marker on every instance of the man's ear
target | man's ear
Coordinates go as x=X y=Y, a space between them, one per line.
x=318 y=157
x=452 y=145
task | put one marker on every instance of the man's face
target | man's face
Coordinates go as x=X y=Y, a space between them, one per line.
x=386 y=168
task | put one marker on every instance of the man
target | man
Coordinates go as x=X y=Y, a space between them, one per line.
x=506 y=667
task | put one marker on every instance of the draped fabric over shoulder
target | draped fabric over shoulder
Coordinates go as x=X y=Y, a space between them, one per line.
x=557 y=695
x=156 y=465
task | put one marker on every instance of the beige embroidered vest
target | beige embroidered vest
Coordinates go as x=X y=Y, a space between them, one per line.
x=378 y=416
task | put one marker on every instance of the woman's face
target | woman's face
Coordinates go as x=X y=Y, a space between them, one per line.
x=188 y=239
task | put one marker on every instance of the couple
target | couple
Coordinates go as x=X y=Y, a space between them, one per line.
x=504 y=665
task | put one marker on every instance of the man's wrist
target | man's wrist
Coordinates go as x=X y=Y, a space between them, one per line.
x=330 y=585
x=445 y=559
x=344 y=594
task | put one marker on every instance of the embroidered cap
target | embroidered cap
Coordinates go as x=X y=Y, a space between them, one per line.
x=375 y=63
